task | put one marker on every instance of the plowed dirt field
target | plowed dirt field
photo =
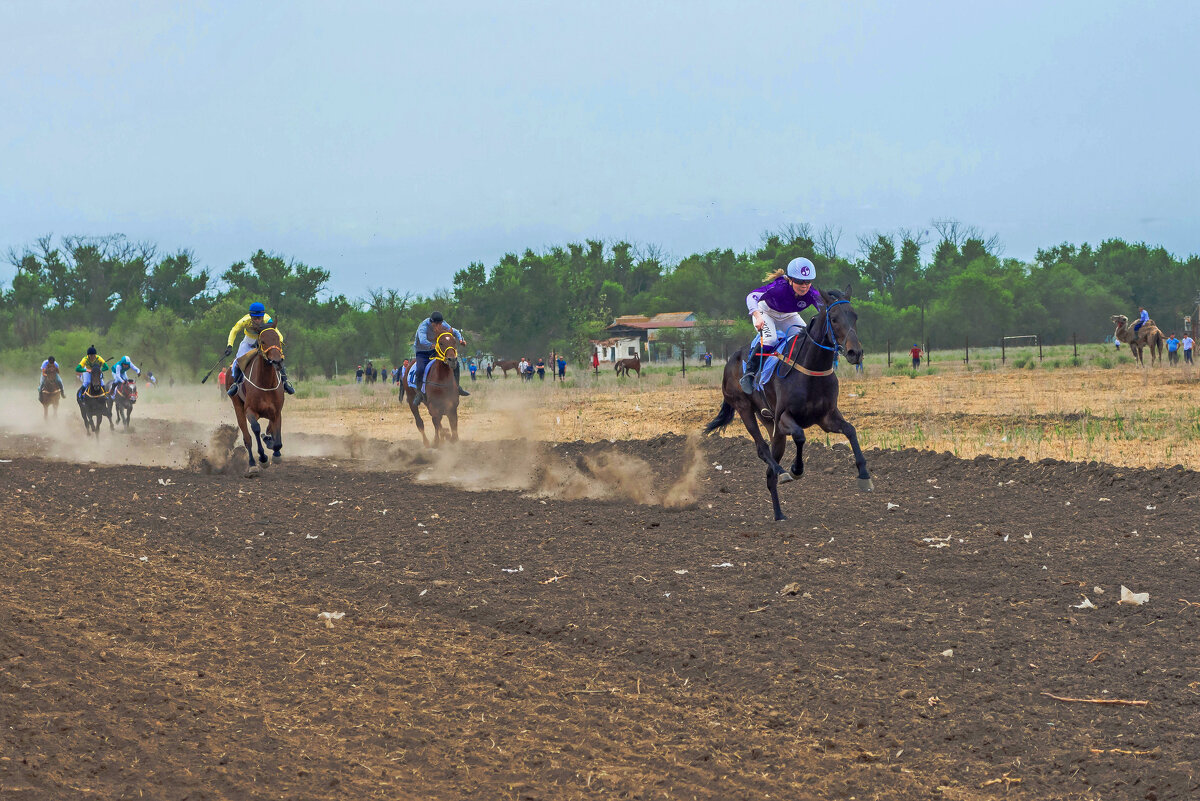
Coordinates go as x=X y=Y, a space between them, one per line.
x=617 y=620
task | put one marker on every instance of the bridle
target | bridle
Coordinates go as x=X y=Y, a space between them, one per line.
x=276 y=363
x=447 y=353
x=838 y=347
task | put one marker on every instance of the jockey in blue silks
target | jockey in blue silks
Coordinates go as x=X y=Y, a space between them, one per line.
x=775 y=310
x=424 y=348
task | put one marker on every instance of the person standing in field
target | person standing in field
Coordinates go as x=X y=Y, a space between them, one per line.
x=472 y=367
x=916 y=354
x=596 y=361
x=1187 y=348
x=541 y=368
x=562 y=369
x=1173 y=349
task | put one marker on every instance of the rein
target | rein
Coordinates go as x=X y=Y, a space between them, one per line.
x=278 y=378
x=837 y=347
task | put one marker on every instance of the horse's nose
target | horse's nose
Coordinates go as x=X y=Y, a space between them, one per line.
x=854 y=355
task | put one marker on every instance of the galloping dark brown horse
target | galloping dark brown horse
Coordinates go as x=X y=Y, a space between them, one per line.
x=123 y=400
x=441 y=390
x=507 y=364
x=623 y=366
x=48 y=395
x=94 y=403
x=261 y=395
x=802 y=393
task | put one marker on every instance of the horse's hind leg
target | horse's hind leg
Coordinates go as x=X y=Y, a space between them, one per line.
x=833 y=423
x=798 y=465
x=240 y=410
x=416 y=413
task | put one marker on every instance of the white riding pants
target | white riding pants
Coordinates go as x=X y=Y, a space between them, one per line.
x=777 y=325
x=87 y=379
x=245 y=346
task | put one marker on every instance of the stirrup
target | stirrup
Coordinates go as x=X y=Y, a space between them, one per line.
x=233 y=389
x=288 y=388
x=419 y=398
x=463 y=393
x=747 y=383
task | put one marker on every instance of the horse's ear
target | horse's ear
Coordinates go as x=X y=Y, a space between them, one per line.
x=825 y=298
x=846 y=291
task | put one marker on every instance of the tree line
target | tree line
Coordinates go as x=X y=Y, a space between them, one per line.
x=939 y=285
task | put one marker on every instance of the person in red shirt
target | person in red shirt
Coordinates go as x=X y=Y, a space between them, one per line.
x=916 y=355
x=221 y=380
x=596 y=361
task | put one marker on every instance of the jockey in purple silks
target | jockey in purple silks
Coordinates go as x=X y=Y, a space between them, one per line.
x=775 y=309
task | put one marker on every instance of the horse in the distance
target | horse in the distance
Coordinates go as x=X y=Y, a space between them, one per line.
x=94 y=403
x=260 y=396
x=123 y=400
x=508 y=364
x=1148 y=336
x=48 y=396
x=623 y=366
x=441 y=390
x=803 y=392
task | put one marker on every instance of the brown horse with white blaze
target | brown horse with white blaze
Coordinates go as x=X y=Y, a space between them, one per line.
x=261 y=395
x=441 y=390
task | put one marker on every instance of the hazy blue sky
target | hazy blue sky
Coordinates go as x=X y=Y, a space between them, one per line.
x=393 y=144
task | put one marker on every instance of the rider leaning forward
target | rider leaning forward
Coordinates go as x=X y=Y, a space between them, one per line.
x=50 y=373
x=92 y=359
x=119 y=370
x=424 y=348
x=251 y=326
x=775 y=309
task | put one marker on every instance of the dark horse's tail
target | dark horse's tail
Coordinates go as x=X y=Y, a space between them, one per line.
x=723 y=418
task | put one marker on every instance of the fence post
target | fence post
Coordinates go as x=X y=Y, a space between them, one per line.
x=967 y=350
x=1002 y=350
x=683 y=361
x=1075 y=345
x=889 y=353
x=1039 y=347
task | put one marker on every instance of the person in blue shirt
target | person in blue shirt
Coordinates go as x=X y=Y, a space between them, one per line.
x=1173 y=348
x=424 y=349
x=562 y=369
x=1143 y=318
x=775 y=310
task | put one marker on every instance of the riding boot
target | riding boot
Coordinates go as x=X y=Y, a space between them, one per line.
x=461 y=391
x=419 y=398
x=287 y=385
x=746 y=382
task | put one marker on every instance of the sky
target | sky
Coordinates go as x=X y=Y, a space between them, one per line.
x=395 y=143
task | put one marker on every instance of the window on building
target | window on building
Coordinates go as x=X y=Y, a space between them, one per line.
x=633 y=351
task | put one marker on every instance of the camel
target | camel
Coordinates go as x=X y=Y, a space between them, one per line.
x=1148 y=336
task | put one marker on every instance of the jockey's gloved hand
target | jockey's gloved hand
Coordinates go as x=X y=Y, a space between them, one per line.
x=229 y=350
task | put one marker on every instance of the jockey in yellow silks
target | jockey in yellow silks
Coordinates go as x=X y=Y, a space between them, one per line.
x=250 y=327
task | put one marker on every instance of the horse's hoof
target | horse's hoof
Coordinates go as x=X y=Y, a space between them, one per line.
x=780 y=517
x=785 y=477
x=276 y=458
x=865 y=485
x=251 y=472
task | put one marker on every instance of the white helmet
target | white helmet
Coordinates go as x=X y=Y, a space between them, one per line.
x=801 y=269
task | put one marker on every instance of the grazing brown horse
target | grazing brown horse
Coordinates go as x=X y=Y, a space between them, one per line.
x=508 y=364
x=441 y=390
x=48 y=395
x=623 y=366
x=123 y=400
x=261 y=395
x=802 y=393
x=94 y=403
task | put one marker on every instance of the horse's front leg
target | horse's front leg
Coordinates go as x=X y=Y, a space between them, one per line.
x=257 y=429
x=240 y=410
x=764 y=453
x=834 y=423
x=436 y=419
x=275 y=435
x=453 y=415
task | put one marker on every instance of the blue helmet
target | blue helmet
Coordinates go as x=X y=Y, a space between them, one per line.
x=257 y=309
x=91 y=350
